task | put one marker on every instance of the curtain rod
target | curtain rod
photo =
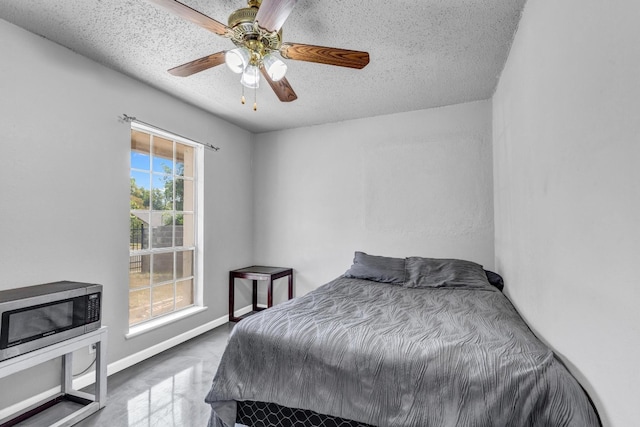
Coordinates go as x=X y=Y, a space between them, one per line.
x=129 y=119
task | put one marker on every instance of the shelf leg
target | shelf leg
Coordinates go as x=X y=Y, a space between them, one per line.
x=101 y=372
x=67 y=373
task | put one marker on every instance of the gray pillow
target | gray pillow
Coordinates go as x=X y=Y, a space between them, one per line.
x=495 y=279
x=377 y=268
x=450 y=273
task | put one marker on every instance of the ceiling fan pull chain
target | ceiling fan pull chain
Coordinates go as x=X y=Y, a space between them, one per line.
x=242 y=99
x=255 y=99
x=255 y=91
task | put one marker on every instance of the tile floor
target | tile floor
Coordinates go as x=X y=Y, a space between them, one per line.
x=166 y=390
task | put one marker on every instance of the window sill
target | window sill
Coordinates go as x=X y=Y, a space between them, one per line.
x=145 y=327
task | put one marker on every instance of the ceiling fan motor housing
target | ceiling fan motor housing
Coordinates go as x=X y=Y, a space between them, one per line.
x=246 y=34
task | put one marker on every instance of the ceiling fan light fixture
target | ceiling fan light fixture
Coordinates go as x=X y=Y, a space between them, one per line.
x=250 y=77
x=276 y=69
x=237 y=59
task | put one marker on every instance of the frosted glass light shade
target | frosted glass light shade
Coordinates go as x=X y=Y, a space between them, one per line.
x=273 y=13
x=276 y=69
x=237 y=59
x=250 y=77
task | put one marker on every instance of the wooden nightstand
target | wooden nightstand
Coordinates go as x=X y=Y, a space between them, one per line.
x=256 y=273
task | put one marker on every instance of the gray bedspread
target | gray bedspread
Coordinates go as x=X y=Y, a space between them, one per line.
x=388 y=355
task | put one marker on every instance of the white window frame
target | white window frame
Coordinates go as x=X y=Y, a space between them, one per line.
x=198 y=293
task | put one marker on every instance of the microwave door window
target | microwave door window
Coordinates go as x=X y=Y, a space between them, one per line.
x=35 y=322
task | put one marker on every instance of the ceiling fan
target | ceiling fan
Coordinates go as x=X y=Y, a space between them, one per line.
x=256 y=32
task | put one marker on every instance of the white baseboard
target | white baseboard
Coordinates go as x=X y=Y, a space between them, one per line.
x=119 y=365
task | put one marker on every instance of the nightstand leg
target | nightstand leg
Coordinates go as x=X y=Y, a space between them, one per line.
x=270 y=293
x=231 y=302
x=290 y=286
x=254 y=298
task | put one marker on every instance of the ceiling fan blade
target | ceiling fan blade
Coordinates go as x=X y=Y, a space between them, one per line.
x=184 y=11
x=198 y=65
x=273 y=13
x=325 y=55
x=282 y=88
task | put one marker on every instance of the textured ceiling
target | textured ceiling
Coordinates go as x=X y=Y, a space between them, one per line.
x=424 y=53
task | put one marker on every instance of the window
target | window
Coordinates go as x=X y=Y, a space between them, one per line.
x=163 y=238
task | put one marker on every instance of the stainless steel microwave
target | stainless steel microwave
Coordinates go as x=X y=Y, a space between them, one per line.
x=37 y=316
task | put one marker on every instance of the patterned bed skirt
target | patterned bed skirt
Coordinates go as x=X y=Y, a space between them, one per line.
x=262 y=414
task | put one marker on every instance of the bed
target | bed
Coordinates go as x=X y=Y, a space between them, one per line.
x=395 y=342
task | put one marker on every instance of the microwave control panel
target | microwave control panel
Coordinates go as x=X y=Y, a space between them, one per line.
x=93 y=308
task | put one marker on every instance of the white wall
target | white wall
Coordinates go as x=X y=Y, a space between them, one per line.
x=64 y=160
x=417 y=183
x=567 y=155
